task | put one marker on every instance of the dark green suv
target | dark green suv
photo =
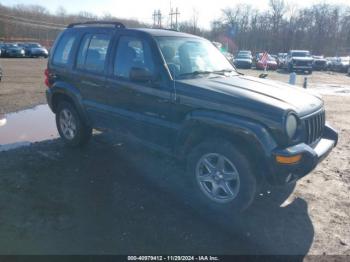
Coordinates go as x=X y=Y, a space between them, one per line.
x=178 y=94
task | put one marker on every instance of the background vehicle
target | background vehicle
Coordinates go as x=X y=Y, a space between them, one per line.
x=12 y=50
x=245 y=53
x=34 y=50
x=299 y=60
x=243 y=60
x=341 y=64
x=319 y=63
x=331 y=62
x=281 y=59
x=270 y=65
x=178 y=94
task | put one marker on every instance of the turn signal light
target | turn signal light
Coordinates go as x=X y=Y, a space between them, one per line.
x=288 y=159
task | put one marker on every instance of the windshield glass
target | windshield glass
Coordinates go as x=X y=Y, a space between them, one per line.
x=345 y=59
x=243 y=56
x=34 y=45
x=189 y=57
x=300 y=54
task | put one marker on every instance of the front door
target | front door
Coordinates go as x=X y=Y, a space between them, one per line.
x=141 y=105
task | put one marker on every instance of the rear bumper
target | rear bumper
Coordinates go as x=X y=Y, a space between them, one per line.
x=311 y=157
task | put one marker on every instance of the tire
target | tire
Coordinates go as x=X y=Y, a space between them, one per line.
x=243 y=186
x=70 y=125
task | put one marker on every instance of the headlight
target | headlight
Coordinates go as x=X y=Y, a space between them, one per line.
x=291 y=125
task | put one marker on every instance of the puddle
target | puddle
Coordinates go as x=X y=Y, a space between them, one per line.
x=334 y=90
x=25 y=127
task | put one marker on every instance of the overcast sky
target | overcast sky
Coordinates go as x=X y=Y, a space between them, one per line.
x=142 y=9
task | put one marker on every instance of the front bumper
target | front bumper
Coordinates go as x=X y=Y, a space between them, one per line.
x=302 y=68
x=311 y=157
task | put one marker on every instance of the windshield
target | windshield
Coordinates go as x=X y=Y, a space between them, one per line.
x=192 y=57
x=244 y=53
x=34 y=45
x=243 y=56
x=301 y=54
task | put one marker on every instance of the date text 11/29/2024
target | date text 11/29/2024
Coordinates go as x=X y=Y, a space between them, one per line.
x=173 y=258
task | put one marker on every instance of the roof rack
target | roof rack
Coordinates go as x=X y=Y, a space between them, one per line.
x=115 y=24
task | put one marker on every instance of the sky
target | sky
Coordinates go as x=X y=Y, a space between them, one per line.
x=207 y=10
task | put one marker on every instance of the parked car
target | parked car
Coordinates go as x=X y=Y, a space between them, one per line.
x=34 y=50
x=299 y=60
x=281 y=59
x=245 y=53
x=331 y=61
x=12 y=50
x=271 y=63
x=342 y=64
x=243 y=60
x=319 y=63
x=182 y=97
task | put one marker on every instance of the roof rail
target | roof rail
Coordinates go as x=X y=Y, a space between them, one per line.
x=115 y=24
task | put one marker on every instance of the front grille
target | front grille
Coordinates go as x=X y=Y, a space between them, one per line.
x=314 y=126
x=320 y=63
x=301 y=63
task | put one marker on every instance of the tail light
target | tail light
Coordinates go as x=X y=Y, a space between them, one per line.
x=47 y=76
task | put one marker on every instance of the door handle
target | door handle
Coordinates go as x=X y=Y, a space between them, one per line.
x=84 y=82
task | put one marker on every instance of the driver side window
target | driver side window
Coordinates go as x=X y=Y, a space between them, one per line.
x=132 y=53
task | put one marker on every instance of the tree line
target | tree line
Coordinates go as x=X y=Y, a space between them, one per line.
x=321 y=28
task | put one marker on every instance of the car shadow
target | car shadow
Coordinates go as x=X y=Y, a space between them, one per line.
x=112 y=198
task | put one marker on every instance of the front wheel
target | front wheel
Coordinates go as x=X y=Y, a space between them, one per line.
x=222 y=176
x=71 y=127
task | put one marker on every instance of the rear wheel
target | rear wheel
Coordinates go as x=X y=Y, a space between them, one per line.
x=71 y=127
x=222 y=177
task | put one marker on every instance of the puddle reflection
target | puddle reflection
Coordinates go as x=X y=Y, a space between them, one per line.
x=27 y=126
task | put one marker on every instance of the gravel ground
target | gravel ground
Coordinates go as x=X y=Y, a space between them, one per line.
x=112 y=198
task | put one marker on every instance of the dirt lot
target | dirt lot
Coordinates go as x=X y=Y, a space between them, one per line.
x=112 y=198
x=22 y=84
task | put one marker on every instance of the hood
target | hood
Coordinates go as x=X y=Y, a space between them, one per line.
x=38 y=49
x=302 y=58
x=248 y=60
x=256 y=91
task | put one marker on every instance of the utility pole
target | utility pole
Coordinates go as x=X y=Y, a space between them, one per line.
x=159 y=19
x=154 y=18
x=171 y=17
x=176 y=14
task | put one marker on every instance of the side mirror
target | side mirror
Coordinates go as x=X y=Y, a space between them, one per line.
x=138 y=74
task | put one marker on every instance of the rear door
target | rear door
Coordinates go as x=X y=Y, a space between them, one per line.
x=90 y=74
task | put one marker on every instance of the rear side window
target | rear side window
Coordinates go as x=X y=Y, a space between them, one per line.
x=63 y=49
x=92 y=52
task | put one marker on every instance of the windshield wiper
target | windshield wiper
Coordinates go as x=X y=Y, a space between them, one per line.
x=223 y=71
x=195 y=73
